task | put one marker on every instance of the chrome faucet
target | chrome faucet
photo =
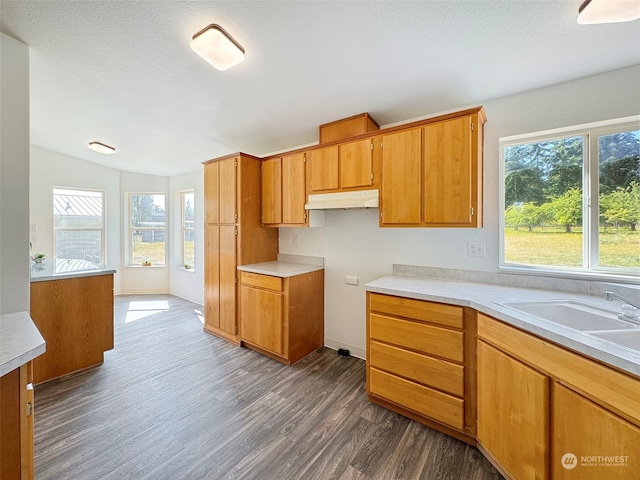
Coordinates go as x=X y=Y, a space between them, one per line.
x=630 y=311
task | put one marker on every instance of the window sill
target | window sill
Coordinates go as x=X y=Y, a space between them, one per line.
x=146 y=266
x=570 y=274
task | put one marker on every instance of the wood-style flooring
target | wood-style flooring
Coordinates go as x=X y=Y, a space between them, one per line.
x=172 y=402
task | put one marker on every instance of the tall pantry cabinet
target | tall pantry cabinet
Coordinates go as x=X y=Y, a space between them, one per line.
x=233 y=236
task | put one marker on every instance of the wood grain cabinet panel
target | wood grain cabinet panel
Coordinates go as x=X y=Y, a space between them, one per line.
x=400 y=194
x=272 y=186
x=448 y=168
x=356 y=164
x=513 y=414
x=294 y=190
x=282 y=317
x=432 y=175
x=233 y=236
x=425 y=338
x=16 y=424
x=324 y=169
x=418 y=398
x=419 y=363
x=75 y=318
x=589 y=442
x=284 y=191
x=527 y=384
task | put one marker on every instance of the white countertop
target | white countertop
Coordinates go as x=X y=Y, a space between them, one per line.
x=20 y=341
x=59 y=269
x=280 y=268
x=481 y=297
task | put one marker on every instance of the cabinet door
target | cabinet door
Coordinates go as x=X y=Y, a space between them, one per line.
x=583 y=431
x=227 y=189
x=272 y=191
x=212 y=276
x=228 y=264
x=324 y=169
x=211 y=195
x=356 y=164
x=513 y=414
x=400 y=193
x=293 y=189
x=261 y=318
x=447 y=172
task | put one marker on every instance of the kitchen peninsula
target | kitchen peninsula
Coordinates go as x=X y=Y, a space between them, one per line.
x=72 y=306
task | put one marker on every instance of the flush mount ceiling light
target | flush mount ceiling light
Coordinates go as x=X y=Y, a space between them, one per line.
x=217 y=47
x=608 y=11
x=101 y=148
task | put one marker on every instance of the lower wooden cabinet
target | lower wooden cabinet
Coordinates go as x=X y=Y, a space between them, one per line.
x=16 y=424
x=590 y=442
x=513 y=414
x=418 y=362
x=75 y=317
x=282 y=317
x=546 y=412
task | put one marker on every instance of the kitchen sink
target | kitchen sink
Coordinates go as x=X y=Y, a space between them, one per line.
x=626 y=338
x=573 y=314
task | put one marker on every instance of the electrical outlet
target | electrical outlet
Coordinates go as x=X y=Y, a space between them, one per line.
x=476 y=249
x=295 y=241
x=349 y=280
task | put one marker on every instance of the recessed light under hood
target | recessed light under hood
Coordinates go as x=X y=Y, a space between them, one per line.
x=344 y=200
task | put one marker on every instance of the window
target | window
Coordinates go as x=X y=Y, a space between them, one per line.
x=78 y=224
x=147 y=229
x=187 y=229
x=572 y=199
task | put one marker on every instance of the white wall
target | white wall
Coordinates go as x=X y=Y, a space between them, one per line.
x=352 y=243
x=186 y=284
x=14 y=175
x=51 y=169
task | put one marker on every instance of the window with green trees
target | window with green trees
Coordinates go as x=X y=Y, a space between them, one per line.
x=572 y=199
x=147 y=219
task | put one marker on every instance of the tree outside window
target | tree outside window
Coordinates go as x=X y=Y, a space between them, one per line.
x=147 y=229
x=573 y=201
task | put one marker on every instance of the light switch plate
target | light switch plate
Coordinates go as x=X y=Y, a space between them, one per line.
x=476 y=249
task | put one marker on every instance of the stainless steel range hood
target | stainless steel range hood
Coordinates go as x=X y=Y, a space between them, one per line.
x=343 y=200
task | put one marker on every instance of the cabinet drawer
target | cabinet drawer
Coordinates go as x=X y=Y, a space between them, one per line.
x=418 y=336
x=423 y=400
x=427 y=370
x=447 y=315
x=261 y=281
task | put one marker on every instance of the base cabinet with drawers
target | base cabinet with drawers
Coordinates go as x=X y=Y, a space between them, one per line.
x=282 y=317
x=418 y=362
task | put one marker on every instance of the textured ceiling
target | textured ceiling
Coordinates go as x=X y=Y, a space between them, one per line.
x=122 y=72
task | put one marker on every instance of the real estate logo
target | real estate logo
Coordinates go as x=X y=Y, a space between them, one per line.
x=569 y=461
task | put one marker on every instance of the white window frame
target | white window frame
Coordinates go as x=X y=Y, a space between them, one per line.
x=590 y=199
x=102 y=229
x=183 y=230
x=131 y=229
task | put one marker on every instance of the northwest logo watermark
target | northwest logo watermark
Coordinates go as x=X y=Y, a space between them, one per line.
x=569 y=461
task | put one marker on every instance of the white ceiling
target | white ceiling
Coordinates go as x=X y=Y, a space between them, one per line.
x=122 y=72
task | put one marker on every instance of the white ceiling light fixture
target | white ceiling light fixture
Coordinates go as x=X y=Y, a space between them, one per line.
x=101 y=148
x=608 y=11
x=217 y=47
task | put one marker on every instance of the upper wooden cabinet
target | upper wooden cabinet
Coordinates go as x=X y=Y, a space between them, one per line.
x=220 y=191
x=432 y=174
x=284 y=191
x=400 y=192
x=233 y=236
x=348 y=166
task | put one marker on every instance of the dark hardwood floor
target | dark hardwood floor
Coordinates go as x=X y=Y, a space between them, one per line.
x=172 y=402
